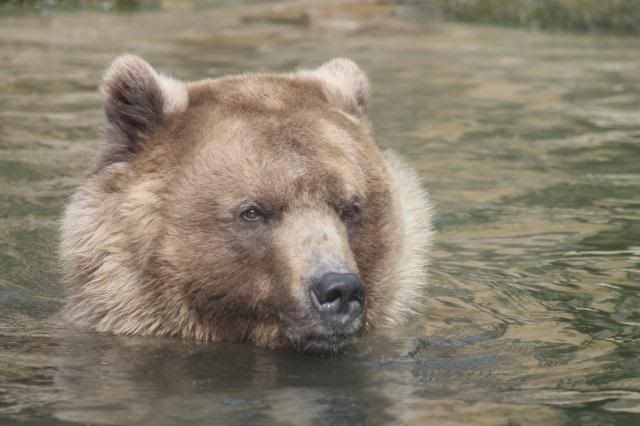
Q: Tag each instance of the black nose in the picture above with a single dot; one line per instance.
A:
(338, 297)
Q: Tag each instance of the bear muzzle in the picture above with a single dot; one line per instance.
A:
(336, 311)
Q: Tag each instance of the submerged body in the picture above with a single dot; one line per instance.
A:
(251, 208)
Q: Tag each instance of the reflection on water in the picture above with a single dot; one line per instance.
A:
(528, 143)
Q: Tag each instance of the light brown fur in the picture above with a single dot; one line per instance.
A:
(152, 243)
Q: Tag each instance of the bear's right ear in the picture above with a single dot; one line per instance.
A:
(136, 100)
(344, 84)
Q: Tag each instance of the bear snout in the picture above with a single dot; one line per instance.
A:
(339, 298)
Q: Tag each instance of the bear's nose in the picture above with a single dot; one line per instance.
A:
(338, 297)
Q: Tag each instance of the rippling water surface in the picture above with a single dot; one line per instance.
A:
(529, 143)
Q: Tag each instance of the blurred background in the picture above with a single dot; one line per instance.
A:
(522, 117)
(615, 16)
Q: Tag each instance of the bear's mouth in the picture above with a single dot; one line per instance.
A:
(322, 344)
(321, 339)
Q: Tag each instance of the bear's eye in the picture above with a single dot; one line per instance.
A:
(252, 214)
(351, 212)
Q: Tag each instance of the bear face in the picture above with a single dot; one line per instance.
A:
(250, 208)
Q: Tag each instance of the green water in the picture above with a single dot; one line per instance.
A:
(528, 142)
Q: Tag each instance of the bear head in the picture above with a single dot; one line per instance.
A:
(253, 208)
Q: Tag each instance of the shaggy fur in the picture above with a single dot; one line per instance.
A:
(154, 241)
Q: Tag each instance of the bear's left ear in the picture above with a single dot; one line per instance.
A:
(345, 84)
(136, 100)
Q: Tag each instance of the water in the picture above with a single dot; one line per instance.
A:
(528, 142)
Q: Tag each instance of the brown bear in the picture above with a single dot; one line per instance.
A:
(254, 207)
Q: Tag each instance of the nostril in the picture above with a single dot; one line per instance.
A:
(357, 296)
(332, 296)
